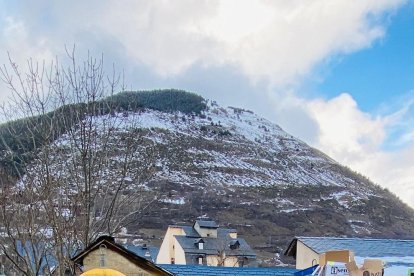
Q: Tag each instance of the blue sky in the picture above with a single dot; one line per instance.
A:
(378, 77)
(380, 73)
(337, 74)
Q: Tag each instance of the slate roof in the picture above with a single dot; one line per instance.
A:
(142, 251)
(374, 248)
(207, 223)
(213, 245)
(190, 231)
(224, 232)
(197, 270)
(48, 261)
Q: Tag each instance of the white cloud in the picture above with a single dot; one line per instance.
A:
(15, 38)
(279, 40)
(275, 41)
(356, 139)
(345, 130)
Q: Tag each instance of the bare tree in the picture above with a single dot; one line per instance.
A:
(71, 174)
(230, 252)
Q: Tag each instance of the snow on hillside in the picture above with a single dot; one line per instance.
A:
(235, 158)
(220, 148)
(228, 146)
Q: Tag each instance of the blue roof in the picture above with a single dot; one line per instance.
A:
(362, 247)
(307, 271)
(197, 270)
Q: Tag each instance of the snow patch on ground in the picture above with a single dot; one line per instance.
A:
(254, 151)
(178, 201)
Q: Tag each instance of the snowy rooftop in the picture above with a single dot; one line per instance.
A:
(374, 248)
(398, 255)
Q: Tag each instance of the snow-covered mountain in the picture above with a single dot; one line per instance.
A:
(244, 171)
(228, 147)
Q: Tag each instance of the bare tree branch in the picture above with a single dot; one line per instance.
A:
(59, 142)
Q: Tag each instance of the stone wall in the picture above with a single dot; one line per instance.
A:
(115, 261)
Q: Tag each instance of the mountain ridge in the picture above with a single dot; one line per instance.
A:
(245, 171)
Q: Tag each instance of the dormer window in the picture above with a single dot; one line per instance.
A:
(234, 244)
(199, 244)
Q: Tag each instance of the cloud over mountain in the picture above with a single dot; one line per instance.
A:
(270, 46)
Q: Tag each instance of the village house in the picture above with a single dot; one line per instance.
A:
(106, 257)
(205, 243)
(397, 254)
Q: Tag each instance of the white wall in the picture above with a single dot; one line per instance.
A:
(169, 246)
(305, 257)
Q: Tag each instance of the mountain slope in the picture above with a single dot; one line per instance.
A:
(246, 172)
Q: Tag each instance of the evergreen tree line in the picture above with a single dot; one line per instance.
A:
(18, 139)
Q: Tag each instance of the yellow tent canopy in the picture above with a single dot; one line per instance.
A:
(102, 272)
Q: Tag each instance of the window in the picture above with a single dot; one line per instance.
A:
(234, 244)
(102, 249)
(200, 260)
(199, 243)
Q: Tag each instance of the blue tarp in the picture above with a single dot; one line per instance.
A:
(307, 271)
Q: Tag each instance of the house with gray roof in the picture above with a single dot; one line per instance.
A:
(205, 243)
(398, 255)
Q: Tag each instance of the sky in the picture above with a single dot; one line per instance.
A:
(337, 74)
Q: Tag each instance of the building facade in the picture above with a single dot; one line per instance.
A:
(105, 253)
(205, 243)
